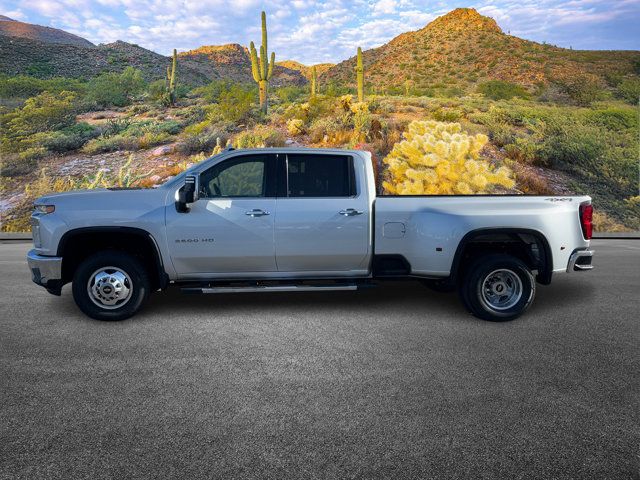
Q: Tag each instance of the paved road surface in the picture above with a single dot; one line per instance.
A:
(397, 382)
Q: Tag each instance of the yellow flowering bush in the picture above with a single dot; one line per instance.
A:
(295, 127)
(345, 102)
(437, 158)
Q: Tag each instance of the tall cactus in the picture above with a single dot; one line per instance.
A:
(261, 68)
(360, 76)
(314, 79)
(172, 79)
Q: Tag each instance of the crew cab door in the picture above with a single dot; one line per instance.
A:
(323, 216)
(229, 229)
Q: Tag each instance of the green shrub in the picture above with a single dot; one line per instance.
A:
(24, 86)
(500, 90)
(205, 139)
(614, 118)
(70, 138)
(523, 150)
(575, 147)
(122, 134)
(629, 90)
(196, 143)
(212, 91)
(42, 113)
(115, 89)
(260, 137)
(156, 91)
(290, 93)
(109, 144)
(234, 105)
(32, 153)
(582, 90)
(446, 114)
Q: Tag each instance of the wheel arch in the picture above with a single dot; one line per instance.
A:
(491, 240)
(77, 244)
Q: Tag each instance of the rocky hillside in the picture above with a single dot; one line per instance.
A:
(463, 48)
(44, 58)
(41, 59)
(232, 62)
(304, 69)
(13, 28)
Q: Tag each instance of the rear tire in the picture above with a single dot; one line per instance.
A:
(498, 288)
(110, 285)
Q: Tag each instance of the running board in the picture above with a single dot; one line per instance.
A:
(270, 288)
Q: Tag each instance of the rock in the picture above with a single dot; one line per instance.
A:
(155, 179)
(162, 150)
(292, 143)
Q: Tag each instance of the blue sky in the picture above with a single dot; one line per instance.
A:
(328, 31)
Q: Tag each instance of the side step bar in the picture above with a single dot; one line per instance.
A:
(270, 288)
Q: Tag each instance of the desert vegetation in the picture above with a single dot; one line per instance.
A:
(468, 134)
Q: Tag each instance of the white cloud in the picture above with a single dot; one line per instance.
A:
(15, 14)
(317, 30)
(384, 7)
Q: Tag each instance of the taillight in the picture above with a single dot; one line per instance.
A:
(586, 217)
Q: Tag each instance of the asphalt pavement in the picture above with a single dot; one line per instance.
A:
(392, 382)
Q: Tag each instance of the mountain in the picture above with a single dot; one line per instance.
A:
(13, 28)
(304, 69)
(32, 57)
(49, 52)
(463, 48)
(233, 62)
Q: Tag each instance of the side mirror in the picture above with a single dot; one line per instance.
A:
(188, 193)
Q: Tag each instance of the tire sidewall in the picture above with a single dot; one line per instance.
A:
(472, 288)
(127, 263)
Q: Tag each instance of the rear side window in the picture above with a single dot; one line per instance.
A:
(320, 176)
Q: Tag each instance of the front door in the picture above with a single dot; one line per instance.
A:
(229, 230)
(323, 218)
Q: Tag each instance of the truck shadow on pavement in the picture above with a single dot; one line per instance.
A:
(391, 298)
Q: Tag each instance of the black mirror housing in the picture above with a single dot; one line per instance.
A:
(188, 193)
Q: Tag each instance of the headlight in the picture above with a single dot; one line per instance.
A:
(44, 209)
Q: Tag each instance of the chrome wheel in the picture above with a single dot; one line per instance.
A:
(109, 287)
(501, 289)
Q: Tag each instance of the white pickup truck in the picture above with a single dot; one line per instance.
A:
(300, 220)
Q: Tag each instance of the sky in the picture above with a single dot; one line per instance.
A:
(324, 31)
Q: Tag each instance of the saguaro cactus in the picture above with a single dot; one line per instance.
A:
(360, 76)
(314, 79)
(172, 78)
(261, 68)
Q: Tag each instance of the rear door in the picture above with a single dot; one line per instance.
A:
(323, 216)
(229, 230)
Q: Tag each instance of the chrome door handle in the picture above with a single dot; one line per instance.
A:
(256, 212)
(350, 212)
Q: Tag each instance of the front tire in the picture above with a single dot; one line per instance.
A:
(111, 286)
(498, 288)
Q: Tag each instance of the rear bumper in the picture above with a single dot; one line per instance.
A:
(580, 260)
(46, 271)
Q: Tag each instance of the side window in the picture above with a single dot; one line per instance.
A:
(320, 176)
(244, 176)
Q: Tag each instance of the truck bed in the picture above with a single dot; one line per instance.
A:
(426, 230)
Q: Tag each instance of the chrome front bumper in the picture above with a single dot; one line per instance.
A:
(45, 271)
(580, 260)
